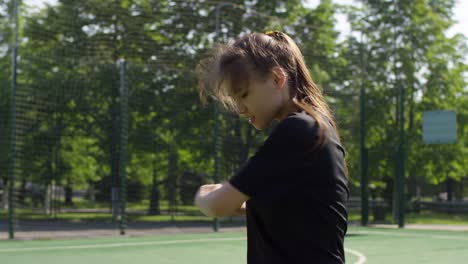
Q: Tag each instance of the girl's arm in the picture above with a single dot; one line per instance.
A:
(218, 200)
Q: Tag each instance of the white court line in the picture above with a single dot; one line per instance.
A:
(125, 244)
(409, 235)
(361, 257)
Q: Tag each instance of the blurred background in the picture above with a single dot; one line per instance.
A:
(101, 127)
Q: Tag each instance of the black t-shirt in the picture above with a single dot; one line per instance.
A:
(296, 212)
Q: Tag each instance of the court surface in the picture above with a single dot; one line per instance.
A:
(363, 245)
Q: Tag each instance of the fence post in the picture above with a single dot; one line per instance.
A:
(123, 145)
(115, 142)
(364, 156)
(364, 187)
(12, 163)
(217, 146)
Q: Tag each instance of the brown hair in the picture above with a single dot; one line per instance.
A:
(253, 56)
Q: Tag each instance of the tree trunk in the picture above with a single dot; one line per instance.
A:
(114, 155)
(460, 196)
(22, 192)
(154, 200)
(4, 203)
(47, 196)
(91, 193)
(69, 193)
(154, 208)
(449, 183)
(172, 175)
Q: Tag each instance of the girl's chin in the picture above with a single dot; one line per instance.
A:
(259, 126)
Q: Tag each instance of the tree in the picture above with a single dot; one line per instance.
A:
(407, 46)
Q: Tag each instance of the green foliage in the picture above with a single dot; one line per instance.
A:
(81, 154)
(405, 44)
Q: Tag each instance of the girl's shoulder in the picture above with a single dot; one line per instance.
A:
(296, 126)
(300, 121)
(302, 125)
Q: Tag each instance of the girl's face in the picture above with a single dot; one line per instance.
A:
(264, 100)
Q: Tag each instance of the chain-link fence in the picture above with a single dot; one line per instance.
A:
(107, 123)
(102, 125)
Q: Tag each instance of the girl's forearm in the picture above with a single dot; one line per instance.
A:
(219, 200)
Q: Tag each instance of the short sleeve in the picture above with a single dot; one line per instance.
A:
(268, 169)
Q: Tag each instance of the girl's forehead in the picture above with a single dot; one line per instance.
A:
(235, 78)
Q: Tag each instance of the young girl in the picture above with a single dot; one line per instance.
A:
(294, 189)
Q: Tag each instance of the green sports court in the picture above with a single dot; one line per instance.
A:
(363, 245)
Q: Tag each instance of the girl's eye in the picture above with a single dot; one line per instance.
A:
(244, 95)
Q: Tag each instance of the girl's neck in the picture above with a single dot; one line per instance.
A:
(287, 109)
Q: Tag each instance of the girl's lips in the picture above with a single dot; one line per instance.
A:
(251, 119)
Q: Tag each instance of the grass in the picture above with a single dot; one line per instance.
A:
(136, 213)
(105, 217)
(79, 203)
(190, 213)
(425, 217)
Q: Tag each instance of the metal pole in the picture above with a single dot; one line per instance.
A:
(114, 143)
(401, 163)
(123, 145)
(12, 163)
(400, 177)
(364, 179)
(217, 143)
(217, 147)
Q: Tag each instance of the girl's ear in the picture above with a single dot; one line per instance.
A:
(279, 76)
